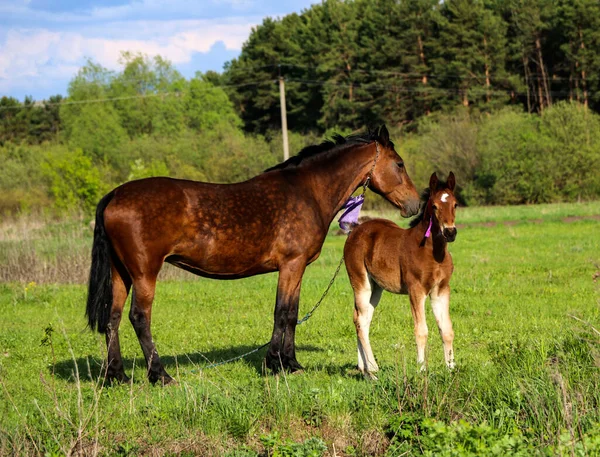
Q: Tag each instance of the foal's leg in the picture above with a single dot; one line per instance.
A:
(366, 298)
(417, 306)
(141, 317)
(282, 350)
(440, 304)
(121, 283)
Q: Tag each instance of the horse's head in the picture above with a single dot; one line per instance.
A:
(390, 179)
(442, 205)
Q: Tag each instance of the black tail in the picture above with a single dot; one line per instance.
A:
(100, 294)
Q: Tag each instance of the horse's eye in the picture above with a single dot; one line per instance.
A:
(434, 207)
(455, 205)
(400, 164)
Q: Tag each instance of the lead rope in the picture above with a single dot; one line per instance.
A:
(310, 313)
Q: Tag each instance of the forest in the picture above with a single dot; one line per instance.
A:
(504, 93)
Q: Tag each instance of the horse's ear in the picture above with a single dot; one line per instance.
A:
(451, 181)
(384, 135)
(433, 182)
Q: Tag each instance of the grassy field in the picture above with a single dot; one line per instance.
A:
(525, 309)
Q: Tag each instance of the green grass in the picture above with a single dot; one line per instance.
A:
(527, 382)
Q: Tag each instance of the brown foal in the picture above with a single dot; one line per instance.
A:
(379, 256)
(276, 221)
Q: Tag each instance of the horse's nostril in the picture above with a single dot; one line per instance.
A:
(450, 233)
(415, 207)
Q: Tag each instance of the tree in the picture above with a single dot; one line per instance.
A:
(207, 105)
(148, 95)
(470, 54)
(90, 121)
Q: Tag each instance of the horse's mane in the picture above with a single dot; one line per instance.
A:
(424, 199)
(336, 142)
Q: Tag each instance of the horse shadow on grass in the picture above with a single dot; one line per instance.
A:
(91, 368)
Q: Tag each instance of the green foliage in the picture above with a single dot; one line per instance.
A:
(147, 120)
(148, 96)
(276, 447)
(510, 157)
(74, 182)
(458, 439)
(139, 169)
(208, 105)
(96, 131)
(22, 187)
(28, 121)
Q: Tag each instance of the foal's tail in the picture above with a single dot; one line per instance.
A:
(100, 294)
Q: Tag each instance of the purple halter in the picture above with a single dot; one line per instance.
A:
(350, 217)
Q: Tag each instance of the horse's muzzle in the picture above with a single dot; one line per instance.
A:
(411, 208)
(450, 234)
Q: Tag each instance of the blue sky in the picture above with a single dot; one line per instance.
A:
(44, 42)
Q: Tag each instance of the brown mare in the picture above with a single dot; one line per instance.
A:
(276, 221)
(379, 256)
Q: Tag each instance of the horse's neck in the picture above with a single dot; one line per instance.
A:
(334, 178)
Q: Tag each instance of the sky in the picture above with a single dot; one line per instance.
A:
(44, 42)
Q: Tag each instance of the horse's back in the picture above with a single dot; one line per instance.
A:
(214, 230)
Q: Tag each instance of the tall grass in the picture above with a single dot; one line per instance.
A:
(33, 250)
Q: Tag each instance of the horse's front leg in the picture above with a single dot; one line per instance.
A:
(282, 350)
(417, 306)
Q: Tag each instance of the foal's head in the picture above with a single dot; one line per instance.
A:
(442, 204)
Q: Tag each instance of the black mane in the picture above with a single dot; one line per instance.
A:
(424, 199)
(336, 142)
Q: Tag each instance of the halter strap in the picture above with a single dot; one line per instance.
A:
(350, 217)
(370, 175)
(428, 232)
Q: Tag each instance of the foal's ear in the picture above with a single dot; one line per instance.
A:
(384, 135)
(451, 181)
(433, 182)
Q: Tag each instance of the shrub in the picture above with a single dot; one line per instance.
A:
(74, 182)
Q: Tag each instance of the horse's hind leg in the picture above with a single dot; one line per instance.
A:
(366, 298)
(141, 317)
(440, 304)
(282, 350)
(121, 283)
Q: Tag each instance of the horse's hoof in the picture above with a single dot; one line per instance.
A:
(117, 378)
(293, 366)
(162, 379)
(369, 376)
(168, 381)
(272, 363)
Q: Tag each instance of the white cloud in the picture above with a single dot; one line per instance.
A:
(38, 52)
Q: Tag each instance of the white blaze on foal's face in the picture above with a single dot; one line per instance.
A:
(444, 197)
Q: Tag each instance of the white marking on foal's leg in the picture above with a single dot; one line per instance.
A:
(440, 304)
(444, 197)
(365, 302)
(417, 303)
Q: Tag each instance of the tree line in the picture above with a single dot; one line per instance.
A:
(349, 63)
(505, 93)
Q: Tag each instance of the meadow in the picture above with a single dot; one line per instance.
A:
(525, 307)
